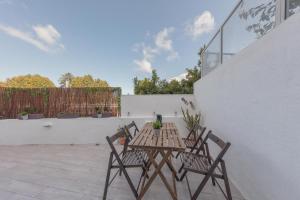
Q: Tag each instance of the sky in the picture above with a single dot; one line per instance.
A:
(114, 40)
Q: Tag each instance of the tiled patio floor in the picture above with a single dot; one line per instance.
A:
(65, 172)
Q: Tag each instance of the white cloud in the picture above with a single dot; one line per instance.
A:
(203, 23)
(179, 77)
(162, 43)
(163, 40)
(23, 36)
(148, 52)
(47, 33)
(144, 65)
(45, 38)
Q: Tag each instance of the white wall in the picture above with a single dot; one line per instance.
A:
(253, 101)
(68, 131)
(146, 105)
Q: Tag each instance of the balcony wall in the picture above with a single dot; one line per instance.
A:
(253, 101)
(68, 131)
(92, 130)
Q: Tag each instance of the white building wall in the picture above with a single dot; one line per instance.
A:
(147, 105)
(253, 101)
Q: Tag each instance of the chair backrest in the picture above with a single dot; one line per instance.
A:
(195, 132)
(224, 146)
(116, 136)
(199, 137)
(129, 127)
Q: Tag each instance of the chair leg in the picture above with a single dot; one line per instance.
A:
(107, 176)
(201, 186)
(177, 154)
(213, 181)
(226, 181)
(183, 175)
(122, 168)
(181, 168)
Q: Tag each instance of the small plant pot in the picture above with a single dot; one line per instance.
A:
(23, 117)
(67, 116)
(35, 116)
(122, 140)
(99, 115)
(107, 114)
(156, 132)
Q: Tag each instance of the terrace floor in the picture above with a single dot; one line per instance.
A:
(77, 172)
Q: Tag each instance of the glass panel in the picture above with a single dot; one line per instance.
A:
(212, 55)
(251, 20)
(292, 6)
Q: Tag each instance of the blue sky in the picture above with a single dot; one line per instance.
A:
(114, 40)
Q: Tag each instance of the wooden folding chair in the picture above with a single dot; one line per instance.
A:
(194, 139)
(132, 127)
(204, 164)
(122, 161)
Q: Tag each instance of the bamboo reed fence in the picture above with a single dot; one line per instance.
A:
(52, 101)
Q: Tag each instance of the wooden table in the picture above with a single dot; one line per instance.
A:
(164, 144)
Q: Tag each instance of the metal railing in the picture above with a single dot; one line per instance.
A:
(248, 21)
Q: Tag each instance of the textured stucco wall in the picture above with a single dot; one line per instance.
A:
(253, 101)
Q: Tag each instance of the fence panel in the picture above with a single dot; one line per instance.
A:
(51, 101)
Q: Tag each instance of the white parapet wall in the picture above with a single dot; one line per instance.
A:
(253, 101)
(93, 130)
(69, 131)
(149, 105)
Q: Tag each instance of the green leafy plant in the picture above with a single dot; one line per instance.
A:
(30, 110)
(24, 113)
(156, 124)
(190, 120)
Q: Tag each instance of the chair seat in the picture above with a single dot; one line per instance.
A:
(195, 162)
(189, 143)
(134, 158)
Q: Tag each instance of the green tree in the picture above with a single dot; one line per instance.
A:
(147, 86)
(29, 81)
(65, 79)
(192, 76)
(87, 81)
(173, 87)
(157, 86)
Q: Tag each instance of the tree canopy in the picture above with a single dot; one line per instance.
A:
(87, 81)
(65, 79)
(154, 85)
(29, 81)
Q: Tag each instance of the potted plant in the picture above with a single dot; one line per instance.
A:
(98, 110)
(122, 140)
(156, 127)
(63, 115)
(191, 120)
(33, 113)
(23, 115)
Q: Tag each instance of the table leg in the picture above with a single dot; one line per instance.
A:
(171, 167)
(158, 167)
